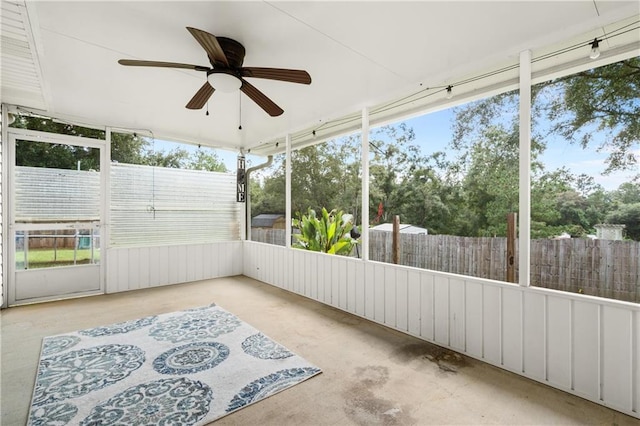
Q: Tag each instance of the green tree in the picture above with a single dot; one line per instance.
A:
(125, 148)
(424, 203)
(394, 159)
(628, 215)
(267, 188)
(317, 177)
(206, 159)
(627, 193)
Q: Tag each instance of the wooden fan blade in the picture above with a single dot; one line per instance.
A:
(136, 63)
(261, 99)
(201, 97)
(210, 44)
(282, 74)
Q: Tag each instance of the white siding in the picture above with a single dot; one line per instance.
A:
(583, 345)
(1, 227)
(140, 267)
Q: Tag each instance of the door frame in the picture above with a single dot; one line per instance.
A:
(9, 159)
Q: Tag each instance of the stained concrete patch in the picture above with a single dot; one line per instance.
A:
(445, 359)
(363, 406)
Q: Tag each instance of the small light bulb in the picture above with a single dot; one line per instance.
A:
(595, 49)
(449, 92)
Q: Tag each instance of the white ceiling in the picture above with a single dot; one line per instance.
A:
(359, 54)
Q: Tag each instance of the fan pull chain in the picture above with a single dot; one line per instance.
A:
(240, 108)
(207, 109)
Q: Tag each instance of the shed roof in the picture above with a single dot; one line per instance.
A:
(265, 220)
(404, 228)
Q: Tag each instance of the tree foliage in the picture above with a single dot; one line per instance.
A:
(125, 148)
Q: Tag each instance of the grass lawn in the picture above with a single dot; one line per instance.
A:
(45, 258)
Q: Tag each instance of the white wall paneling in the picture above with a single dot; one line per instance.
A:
(402, 300)
(441, 309)
(140, 267)
(427, 307)
(457, 314)
(617, 365)
(558, 333)
(534, 341)
(492, 324)
(585, 323)
(473, 319)
(369, 290)
(342, 274)
(580, 344)
(413, 303)
(512, 329)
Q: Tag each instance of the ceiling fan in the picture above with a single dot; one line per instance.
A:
(227, 73)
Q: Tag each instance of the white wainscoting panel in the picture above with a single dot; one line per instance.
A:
(413, 303)
(427, 307)
(586, 349)
(492, 324)
(534, 345)
(512, 329)
(457, 332)
(441, 309)
(617, 365)
(580, 344)
(141, 267)
(474, 320)
(558, 329)
(402, 300)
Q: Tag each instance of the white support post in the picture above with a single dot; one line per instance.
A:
(3, 207)
(365, 184)
(105, 210)
(287, 173)
(524, 234)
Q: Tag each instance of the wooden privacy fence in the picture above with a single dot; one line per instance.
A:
(602, 268)
(270, 236)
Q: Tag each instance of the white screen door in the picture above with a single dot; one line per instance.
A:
(55, 210)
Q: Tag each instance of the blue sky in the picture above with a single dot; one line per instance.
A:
(433, 133)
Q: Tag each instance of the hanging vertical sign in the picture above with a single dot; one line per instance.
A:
(241, 187)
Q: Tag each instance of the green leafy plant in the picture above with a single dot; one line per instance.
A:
(329, 233)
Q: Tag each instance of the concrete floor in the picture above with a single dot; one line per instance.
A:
(371, 375)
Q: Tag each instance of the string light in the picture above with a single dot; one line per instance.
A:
(239, 110)
(595, 49)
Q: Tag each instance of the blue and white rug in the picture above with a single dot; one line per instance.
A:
(181, 368)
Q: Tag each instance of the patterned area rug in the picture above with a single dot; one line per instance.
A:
(181, 368)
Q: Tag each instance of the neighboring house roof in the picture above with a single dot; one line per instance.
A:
(404, 228)
(265, 220)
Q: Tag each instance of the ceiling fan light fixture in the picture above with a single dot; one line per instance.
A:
(223, 82)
